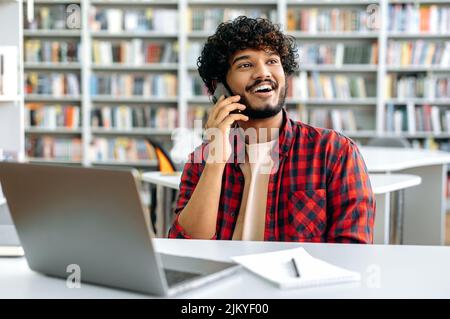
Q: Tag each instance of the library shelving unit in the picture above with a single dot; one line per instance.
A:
(11, 101)
(348, 64)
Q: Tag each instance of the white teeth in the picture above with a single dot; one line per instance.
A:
(262, 87)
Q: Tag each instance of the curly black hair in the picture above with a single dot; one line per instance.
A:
(240, 34)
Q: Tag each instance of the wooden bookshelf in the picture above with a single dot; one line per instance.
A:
(182, 68)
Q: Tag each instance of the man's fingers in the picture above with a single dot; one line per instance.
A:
(225, 111)
(230, 119)
(222, 102)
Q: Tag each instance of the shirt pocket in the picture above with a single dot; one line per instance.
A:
(307, 215)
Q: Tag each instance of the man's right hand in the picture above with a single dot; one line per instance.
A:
(219, 125)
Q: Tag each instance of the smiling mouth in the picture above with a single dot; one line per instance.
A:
(263, 90)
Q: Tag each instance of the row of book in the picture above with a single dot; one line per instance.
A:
(337, 86)
(196, 86)
(417, 86)
(135, 52)
(418, 52)
(431, 144)
(47, 18)
(316, 53)
(52, 51)
(419, 18)
(328, 19)
(145, 85)
(147, 19)
(200, 19)
(336, 119)
(417, 118)
(121, 149)
(197, 116)
(55, 84)
(124, 117)
(54, 148)
(338, 53)
(52, 116)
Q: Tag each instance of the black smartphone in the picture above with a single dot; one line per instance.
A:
(222, 90)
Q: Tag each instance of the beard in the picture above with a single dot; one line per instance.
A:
(267, 110)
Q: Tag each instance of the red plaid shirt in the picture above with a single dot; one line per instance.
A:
(320, 192)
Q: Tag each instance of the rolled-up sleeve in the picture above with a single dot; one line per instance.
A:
(351, 202)
(189, 178)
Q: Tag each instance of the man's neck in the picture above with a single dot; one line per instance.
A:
(274, 122)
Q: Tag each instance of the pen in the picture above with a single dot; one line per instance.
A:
(297, 271)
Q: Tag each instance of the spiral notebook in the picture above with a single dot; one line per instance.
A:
(295, 268)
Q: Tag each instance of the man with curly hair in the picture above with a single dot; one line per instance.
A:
(288, 181)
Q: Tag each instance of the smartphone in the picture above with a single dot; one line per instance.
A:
(222, 90)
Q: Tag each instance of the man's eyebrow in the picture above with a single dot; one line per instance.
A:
(242, 57)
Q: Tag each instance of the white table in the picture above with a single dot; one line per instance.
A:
(382, 184)
(387, 271)
(425, 205)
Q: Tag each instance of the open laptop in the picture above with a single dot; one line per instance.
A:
(9, 241)
(94, 218)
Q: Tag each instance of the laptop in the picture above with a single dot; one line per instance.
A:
(9, 241)
(94, 218)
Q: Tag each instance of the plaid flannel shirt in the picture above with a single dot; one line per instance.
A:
(320, 191)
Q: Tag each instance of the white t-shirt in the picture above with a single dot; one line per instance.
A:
(250, 224)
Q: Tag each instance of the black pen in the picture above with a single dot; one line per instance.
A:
(297, 271)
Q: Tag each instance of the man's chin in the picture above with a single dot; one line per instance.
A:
(261, 112)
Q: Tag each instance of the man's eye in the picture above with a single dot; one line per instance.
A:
(244, 65)
(273, 61)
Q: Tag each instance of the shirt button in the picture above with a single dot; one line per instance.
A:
(232, 214)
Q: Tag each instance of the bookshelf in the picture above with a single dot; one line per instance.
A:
(355, 57)
(11, 93)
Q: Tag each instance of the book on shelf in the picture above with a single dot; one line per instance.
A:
(48, 17)
(337, 119)
(412, 119)
(9, 69)
(54, 148)
(52, 116)
(134, 52)
(196, 86)
(145, 85)
(327, 19)
(338, 54)
(193, 51)
(121, 149)
(127, 118)
(431, 86)
(197, 113)
(206, 19)
(117, 20)
(336, 86)
(418, 52)
(52, 51)
(55, 84)
(416, 18)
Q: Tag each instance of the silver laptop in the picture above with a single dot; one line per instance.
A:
(94, 218)
(9, 241)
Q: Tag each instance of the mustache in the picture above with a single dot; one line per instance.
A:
(273, 84)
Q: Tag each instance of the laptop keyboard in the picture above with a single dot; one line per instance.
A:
(174, 277)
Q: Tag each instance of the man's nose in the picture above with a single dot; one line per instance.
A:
(261, 71)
